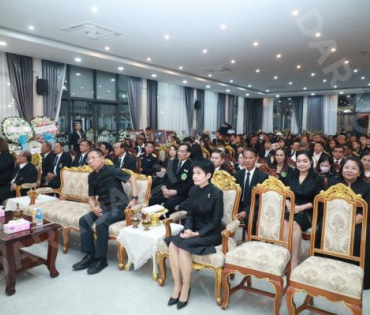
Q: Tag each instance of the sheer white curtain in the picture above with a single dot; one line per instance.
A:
(304, 118)
(268, 112)
(7, 103)
(240, 116)
(171, 107)
(294, 126)
(330, 114)
(210, 111)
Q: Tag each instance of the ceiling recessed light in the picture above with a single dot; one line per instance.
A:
(362, 78)
(277, 95)
(324, 80)
(78, 59)
(312, 94)
(295, 13)
(31, 28)
(250, 85)
(355, 70)
(180, 67)
(78, 73)
(317, 34)
(255, 44)
(298, 66)
(267, 91)
(227, 91)
(113, 80)
(223, 26)
(247, 94)
(290, 83)
(275, 77)
(335, 86)
(369, 84)
(204, 51)
(348, 95)
(231, 81)
(278, 56)
(346, 62)
(94, 9)
(232, 61)
(166, 37)
(208, 86)
(154, 75)
(333, 49)
(312, 74)
(120, 68)
(107, 48)
(3, 44)
(210, 75)
(149, 59)
(184, 81)
(257, 70)
(305, 88)
(341, 92)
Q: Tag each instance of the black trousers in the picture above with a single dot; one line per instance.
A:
(54, 183)
(102, 223)
(169, 204)
(6, 193)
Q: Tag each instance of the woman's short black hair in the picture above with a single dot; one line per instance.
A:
(357, 161)
(306, 153)
(205, 165)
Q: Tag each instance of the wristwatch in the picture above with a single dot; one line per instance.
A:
(135, 197)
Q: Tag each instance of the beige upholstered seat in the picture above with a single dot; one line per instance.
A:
(231, 197)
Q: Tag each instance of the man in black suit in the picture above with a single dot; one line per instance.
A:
(123, 158)
(266, 152)
(218, 160)
(177, 181)
(247, 179)
(6, 164)
(25, 172)
(140, 148)
(196, 153)
(47, 160)
(61, 159)
(81, 158)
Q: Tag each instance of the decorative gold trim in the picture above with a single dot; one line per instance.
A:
(223, 180)
(340, 191)
(82, 169)
(36, 159)
(136, 175)
(273, 183)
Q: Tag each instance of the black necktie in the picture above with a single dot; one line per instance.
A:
(246, 185)
(80, 162)
(178, 167)
(119, 163)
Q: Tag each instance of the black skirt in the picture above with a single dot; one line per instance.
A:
(302, 218)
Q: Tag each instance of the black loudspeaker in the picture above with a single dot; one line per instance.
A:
(42, 87)
(197, 105)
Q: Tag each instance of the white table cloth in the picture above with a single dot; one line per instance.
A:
(142, 245)
(25, 201)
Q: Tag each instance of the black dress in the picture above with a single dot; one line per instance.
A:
(205, 211)
(363, 188)
(304, 192)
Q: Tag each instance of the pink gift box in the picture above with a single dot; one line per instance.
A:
(2, 213)
(14, 226)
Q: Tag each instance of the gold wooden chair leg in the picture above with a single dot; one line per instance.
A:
(121, 256)
(66, 239)
(226, 287)
(218, 277)
(290, 301)
(356, 309)
(279, 292)
(162, 268)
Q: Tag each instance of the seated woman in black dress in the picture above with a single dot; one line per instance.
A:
(281, 165)
(305, 184)
(352, 175)
(325, 169)
(202, 230)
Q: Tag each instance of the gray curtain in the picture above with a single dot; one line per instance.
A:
(232, 109)
(200, 112)
(54, 72)
(298, 111)
(221, 109)
(152, 94)
(253, 113)
(21, 83)
(189, 100)
(315, 112)
(134, 97)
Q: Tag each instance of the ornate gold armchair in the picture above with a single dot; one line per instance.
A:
(231, 198)
(322, 274)
(37, 162)
(265, 255)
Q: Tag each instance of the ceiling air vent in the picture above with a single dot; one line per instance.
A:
(90, 30)
(365, 52)
(216, 69)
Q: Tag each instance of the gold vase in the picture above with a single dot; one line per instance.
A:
(135, 222)
(146, 224)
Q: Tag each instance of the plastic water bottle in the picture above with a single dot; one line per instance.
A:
(39, 218)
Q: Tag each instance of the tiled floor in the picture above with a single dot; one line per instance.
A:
(120, 292)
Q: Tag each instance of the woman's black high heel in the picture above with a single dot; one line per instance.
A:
(181, 304)
(173, 301)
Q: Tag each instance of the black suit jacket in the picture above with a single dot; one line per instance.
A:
(262, 152)
(47, 163)
(27, 174)
(75, 139)
(76, 161)
(182, 181)
(258, 178)
(64, 161)
(128, 162)
(6, 168)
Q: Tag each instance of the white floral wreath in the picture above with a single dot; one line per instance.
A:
(15, 127)
(42, 125)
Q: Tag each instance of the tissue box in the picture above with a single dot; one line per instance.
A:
(152, 209)
(2, 212)
(14, 226)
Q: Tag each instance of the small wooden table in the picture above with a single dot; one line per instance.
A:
(14, 260)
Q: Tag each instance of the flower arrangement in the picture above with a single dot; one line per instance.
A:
(45, 128)
(90, 134)
(123, 134)
(15, 129)
(106, 136)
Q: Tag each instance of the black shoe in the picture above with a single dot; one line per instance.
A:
(84, 263)
(98, 266)
(173, 301)
(181, 304)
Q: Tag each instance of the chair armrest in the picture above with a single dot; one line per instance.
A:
(24, 186)
(177, 216)
(47, 190)
(129, 212)
(229, 231)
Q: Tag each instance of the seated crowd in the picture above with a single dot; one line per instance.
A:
(181, 180)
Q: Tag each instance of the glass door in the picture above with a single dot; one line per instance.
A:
(106, 122)
(83, 112)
